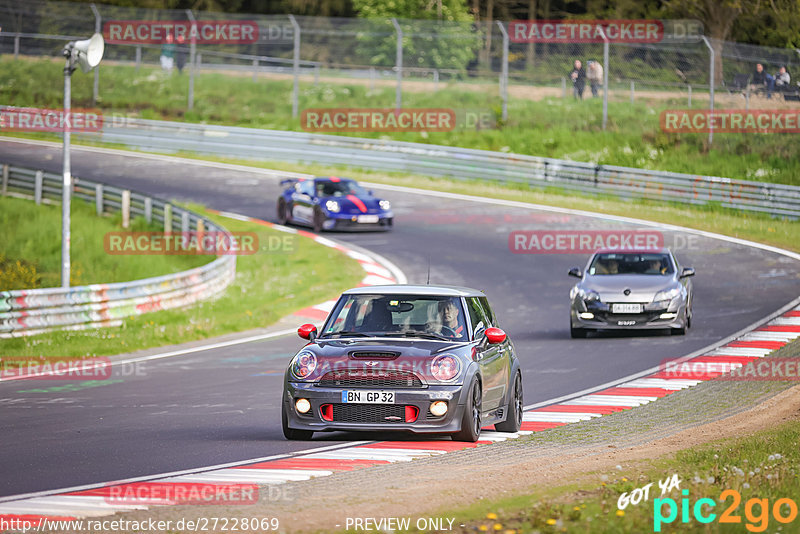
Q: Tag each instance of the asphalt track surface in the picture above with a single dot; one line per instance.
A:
(221, 405)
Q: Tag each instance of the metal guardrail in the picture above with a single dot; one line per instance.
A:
(32, 311)
(774, 199)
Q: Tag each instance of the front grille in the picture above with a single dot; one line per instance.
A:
(370, 378)
(373, 355)
(368, 413)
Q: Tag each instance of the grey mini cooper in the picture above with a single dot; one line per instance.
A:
(421, 359)
(631, 289)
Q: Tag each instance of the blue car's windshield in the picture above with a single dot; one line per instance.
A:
(396, 315)
(329, 188)
(654, 263)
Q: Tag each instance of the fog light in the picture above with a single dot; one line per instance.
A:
(668, 315)
(586, 315)
(302, 405)
(438, 408)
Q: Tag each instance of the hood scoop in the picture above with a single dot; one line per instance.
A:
(373, 355)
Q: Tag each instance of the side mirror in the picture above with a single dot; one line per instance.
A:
(687, 272)
(576, 272)
(495, 335)
(307, 331)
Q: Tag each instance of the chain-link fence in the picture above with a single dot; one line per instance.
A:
(391, 52)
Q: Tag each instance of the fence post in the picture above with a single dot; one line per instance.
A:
(295, 66)
(98, 28)
(690, 95)
(632, 90)
(184, 228)
(148, 209)
(192, 55)
(4, 189)
(167, 218)
(371, 79)
(316, 74)
(98, 199)
(504, 72)
(710, 90)
(138, 57)
(605, 79)
(255, 69)
(563, 87)
(435, 80)
(399, 65)
(37, 187)
(16, 46)
(126, 209)
(747, 98)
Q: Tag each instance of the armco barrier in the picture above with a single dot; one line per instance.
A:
(775, 199)
(32, 311)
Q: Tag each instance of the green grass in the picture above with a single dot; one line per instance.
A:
(551, 127)
(32, 234)
(762, 466)
(269, 285)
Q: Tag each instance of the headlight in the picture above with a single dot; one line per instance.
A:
(667, 294)
(303, 364)
(588, 294)
(385, 204)
(332, 205)
(445, 367)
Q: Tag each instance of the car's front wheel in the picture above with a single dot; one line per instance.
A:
(283, 212)
(515, 407)
(293, 433)
(471, 419)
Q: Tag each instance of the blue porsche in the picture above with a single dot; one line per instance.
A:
(328, 203)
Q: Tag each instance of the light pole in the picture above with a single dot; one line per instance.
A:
(86, 54)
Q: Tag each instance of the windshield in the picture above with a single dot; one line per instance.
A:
(329, 188)
(397, 315)
(650, 263)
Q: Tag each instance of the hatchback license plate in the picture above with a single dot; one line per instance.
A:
(367, 218)
(626, 308)
(350, 396)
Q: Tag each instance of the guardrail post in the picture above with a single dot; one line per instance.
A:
(126, 209)
(148, 209)
(4, 190)
(138, 57)
(295, 66)
(98, 198)
(435, 80)
(371, 79)
(255, 69)
(201, 230)
(16, 46)
(167, 218)
(632, 89)
(316, 74)
(184, 228)
(690, 96)
(398, 65)
(37, 187)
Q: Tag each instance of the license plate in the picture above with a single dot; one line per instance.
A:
(626, 308)
(367, 218)
(367, 397)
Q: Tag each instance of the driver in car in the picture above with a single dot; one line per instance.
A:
(448, 323)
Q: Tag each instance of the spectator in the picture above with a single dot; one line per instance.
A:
(168, 54)
(782, 79)
(594, 73)
(180, 54)
(578, 77)
(761, 79)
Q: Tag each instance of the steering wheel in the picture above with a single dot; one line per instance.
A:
(447, 331)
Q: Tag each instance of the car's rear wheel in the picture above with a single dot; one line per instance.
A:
(283, 212)
(293, 433)
(515, 407)
(577, 333)
(471, 419)
(319, 218)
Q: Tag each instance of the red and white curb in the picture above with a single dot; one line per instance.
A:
(183, 488)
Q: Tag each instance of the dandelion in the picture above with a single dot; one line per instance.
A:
(711, 479)
(716, 456)
(498, 526)
(619, 468)
(778, 456)
(604, 477)
(491, 515)
(769, 477)
(746, 485)
(577, 508)
(483, 528)
(624, 479)
(771, 457)
(551, 521)
(620, 513)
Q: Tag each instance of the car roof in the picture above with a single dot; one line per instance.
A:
(409, 289)
(332, 179)
(662, 250)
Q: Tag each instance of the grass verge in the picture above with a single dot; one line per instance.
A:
(32, 237)
(269, 285)
(548, 126)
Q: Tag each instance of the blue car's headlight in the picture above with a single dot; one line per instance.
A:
(385, 205)
(333, 206)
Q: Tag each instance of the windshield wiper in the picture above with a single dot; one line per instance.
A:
(418, 333)
(346, 333)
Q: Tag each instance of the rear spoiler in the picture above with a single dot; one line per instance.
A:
(291, 181)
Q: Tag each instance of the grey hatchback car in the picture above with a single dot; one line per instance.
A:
(421, 359)
(631, 289)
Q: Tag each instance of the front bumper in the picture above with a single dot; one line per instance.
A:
(672, 317)
(345, 221)
(420, 398)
